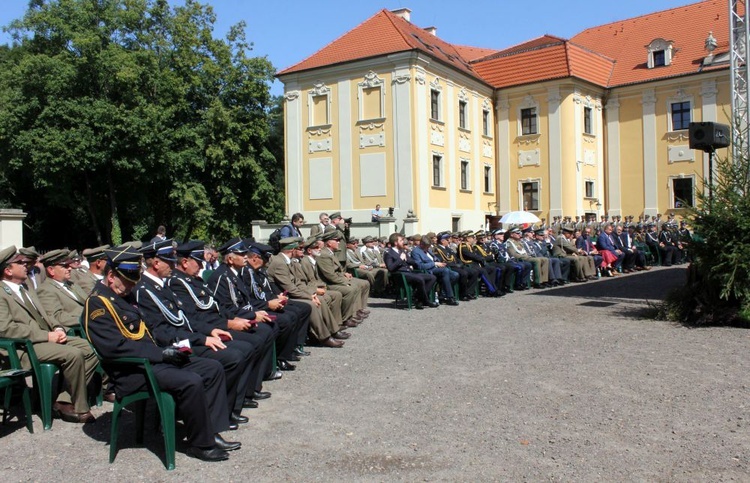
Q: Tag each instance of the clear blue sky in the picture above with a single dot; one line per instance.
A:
(287, 31)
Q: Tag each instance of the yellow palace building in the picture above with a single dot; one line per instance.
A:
(391, 114)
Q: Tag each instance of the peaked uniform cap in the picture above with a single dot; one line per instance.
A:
(163, 250)
(235, 245)
(126, 261)
(92, 254)
(29, 252)
(53, 257)
(7, 255)
(192, 249)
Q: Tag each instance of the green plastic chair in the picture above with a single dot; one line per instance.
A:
(405, 291)
(17, 380)
(43, 372)
(164, 402)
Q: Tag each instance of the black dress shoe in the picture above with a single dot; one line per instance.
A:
(238, 418)
(301, 352)
(273, 376)
(233, 427)
(465, 298)
(261, 395)
(451, 302)
(249, 403)
(210, 454)
(222, 444)
(285, 366)
(433, 305)
(293, 358)
(419, 306)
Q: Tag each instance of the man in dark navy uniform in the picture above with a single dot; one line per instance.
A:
(115, 327)
(162, 311)
(202, 308)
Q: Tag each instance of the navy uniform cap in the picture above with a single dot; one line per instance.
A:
(126, 261)
(445, 236)
(235, 245)
(259, 248)
(540, 232)
(515, 229)
(163, 250)
(192, 249)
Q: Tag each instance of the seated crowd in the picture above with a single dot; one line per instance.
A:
(216, 323)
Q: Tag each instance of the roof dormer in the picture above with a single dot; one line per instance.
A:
(659, 53)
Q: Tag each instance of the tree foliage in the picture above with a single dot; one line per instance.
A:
(120, 115)
(718, 289)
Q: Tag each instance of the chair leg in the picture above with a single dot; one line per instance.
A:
(44, 380)
(26, 396)
(114, 431)
(166, 411)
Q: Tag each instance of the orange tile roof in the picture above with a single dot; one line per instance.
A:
(607, 55)
(386, 33)
(687, 27)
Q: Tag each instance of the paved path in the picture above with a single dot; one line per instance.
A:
(534, 386)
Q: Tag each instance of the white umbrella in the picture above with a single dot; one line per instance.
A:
(519, 218)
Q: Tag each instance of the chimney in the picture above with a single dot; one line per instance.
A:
(404, 13)
(431, 30)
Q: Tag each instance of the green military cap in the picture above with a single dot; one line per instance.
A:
(515, 229)
(8, 255)
(367, 239)
(430, 235)
(290, 242)
(383, 239)
(467, 233)
(92, 254)
(55, 257)
(136, 244)
(312, 240)
(336, 214)
(416, 237)
(352, 240)
(568, 229)
(29, 252)
(332, 235)
(74, 255)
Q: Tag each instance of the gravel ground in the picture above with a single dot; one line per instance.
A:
(534, 386)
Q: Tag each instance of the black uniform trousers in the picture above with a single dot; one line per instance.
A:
(238, 360)
(261, 339)
(467, 280)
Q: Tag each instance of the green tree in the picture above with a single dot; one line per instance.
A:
(116, 115)
(718, 287)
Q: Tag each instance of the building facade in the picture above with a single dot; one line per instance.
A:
(391, 114)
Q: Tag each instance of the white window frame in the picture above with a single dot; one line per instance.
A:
(371, 81)
(538, 182)
(441, 169)
(461, 162)
(671, 189)
(319, 89)
(489, 176)
(593, 188)
(658, 45)
(680, 96)
(463, 99)
(436, 87)
(528, 103)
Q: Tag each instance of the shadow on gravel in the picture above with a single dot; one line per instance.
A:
(153, 441)
(651, 285)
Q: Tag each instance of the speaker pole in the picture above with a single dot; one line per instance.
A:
(710, 178)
